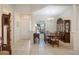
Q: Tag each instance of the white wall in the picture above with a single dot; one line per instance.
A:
(50, 24)
(0, 21)
(22, 26)
(16, 26)
(25, 26)
(76, 40)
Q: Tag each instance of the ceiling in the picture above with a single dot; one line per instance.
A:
(40, 9)
(27, 8)
(52, 10)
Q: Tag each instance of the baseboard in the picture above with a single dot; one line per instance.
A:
(66, 45)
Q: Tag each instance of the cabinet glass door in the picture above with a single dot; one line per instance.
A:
(67, 27)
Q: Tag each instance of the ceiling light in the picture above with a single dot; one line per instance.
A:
(51, 18)
(35, 25)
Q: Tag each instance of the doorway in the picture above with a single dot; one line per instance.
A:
(40, 27)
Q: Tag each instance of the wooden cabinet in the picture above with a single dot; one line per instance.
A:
(6, 39)
(67, 26)
(60, 25)
(60, 28)
(67, 30)
(63, 27)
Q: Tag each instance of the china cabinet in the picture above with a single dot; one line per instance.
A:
(60, 25)
(63, 27)
(67, 30)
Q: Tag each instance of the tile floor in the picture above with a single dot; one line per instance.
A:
(26, 47)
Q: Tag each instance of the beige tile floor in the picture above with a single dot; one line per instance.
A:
(26, 47)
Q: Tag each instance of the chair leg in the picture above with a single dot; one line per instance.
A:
(39, 40)
(52, 43)
(34, 41)
(10, 52)
(57, 43)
